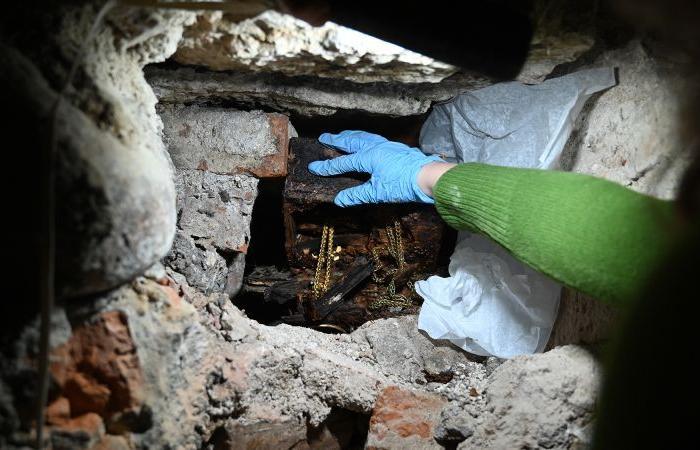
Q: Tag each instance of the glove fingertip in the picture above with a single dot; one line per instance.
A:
(339, 200)
(348, 197)
(325, 138)
(316, 167)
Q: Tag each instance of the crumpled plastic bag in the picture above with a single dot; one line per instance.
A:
(493, 304)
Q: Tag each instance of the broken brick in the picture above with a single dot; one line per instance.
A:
(98, 369)
(58, 411)
(81, 432)
(404, 419)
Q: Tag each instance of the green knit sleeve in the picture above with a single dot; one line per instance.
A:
(590, 234)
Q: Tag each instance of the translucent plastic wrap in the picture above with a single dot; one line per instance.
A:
(493, 304)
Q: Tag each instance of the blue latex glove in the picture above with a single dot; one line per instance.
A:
(394, 168)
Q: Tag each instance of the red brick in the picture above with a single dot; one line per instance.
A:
(58, 411)
(98, 369)
(403, 418)
(80, 432)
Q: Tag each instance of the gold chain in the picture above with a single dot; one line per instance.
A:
(327, 256)
(390, 298)
(318, 288)
(330, 259)
(326, 260)
(395, 247)
(395, 250)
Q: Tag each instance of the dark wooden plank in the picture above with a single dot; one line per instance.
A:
(339, 293)
(305, 188)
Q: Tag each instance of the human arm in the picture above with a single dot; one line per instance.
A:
(591, 234)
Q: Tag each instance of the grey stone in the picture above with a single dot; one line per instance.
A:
(394, 348)
(114, 187)
(115, 201)
(155, 272)
(492, 363)
(455, 424)
(216, 208)
(303, 95)
(213, 229)
(540, 400)
(630, 134)
(203, 267)
(319, 71)
(219, 140)
(276, 42)
(413, 356)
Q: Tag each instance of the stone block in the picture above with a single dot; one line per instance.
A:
(114, 196)
(213, 229)
(226, 141)
(538, 401)
(304, 95)
(412, 356)
(276, 42)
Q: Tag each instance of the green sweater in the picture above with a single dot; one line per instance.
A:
(590, 234)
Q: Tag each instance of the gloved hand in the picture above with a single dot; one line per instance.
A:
(394, 168)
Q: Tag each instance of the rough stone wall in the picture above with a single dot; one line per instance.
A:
(629, 134)
(130, 179)
(180, 369)
(301, 95)
(286, 66)
(219, 154)
(114, 188)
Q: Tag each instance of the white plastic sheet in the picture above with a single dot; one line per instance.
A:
(493, 304)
